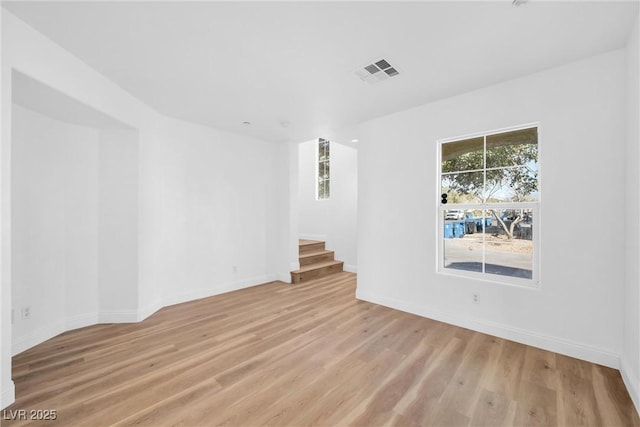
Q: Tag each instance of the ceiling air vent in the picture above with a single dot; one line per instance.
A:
(376, 71)
(383, 64)
(372, 69)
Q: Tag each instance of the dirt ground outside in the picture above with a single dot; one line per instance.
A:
(497, 242)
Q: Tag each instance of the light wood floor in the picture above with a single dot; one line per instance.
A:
(303, 355)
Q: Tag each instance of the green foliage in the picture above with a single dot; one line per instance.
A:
(515, 177)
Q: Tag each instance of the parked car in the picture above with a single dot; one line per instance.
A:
(455, 214)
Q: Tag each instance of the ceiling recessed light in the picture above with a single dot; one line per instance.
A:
(354, 140)
(246, 123)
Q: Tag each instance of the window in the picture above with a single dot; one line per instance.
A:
(324, 175)
(489, 206)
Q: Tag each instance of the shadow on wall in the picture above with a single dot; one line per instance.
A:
(74, 204)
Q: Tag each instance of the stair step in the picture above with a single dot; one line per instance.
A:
(316, 257)
(313, 271)
(308, 246)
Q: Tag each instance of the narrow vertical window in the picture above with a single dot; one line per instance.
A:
(324, 167)
(488, 207)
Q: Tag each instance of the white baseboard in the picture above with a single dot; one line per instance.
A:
(632, 381)
(44, 333)
(221, 289)
(546, 342)
(8, 394)
(150, 309)
(350, 268)
(284, 277)
(117, 316)
(80, 321)
(33, 338)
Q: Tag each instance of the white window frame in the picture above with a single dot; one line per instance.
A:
(534, 282)
(317, 175)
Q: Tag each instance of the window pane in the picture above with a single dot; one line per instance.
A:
(465, 187)
(519, 147)
(323, 149)
(518, 184)
(323, 168)
(462, 242)
(322, 190)
(509, 243)
(463, 155)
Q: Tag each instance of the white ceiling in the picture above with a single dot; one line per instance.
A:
(223, 63)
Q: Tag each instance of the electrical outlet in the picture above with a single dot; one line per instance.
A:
(475, 298)
(235, 268)
(26, 313)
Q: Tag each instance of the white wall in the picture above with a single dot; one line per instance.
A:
(55, 226)
(75, 226)
(7, 390)
(213, 215)
(118, 225)
(630, 359)
(333, 220)
(205, 198)
(282, 214)
(577, 309)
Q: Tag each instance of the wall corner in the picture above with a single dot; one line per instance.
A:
(8, 395)
(631, 381)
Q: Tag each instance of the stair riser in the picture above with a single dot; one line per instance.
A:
(316, 259)
(314, 247)
(314, 274)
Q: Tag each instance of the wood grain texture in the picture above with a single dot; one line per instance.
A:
(315, 262)
(303, 355)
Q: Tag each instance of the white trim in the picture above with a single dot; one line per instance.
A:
(36, 337)
(320, 237)
(80, 321)
(8, 395)
(350, 268)
(44, 333)
(547, 342)
(229, 287)
(632, 382)
(489, 132)
(118, 316)
(534, 282)
(284, 277)
(150, 309)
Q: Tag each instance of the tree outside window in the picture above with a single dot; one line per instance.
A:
(490, 194)
(324, 170)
